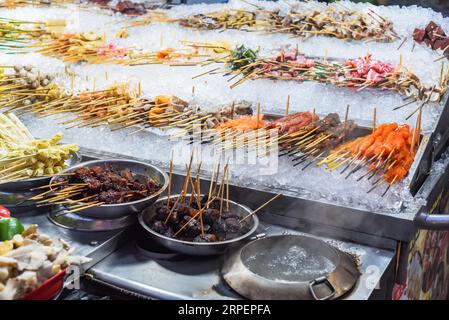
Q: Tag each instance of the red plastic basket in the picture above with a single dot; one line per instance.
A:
(49, 289)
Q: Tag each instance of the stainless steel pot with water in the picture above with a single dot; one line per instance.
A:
(290, 267)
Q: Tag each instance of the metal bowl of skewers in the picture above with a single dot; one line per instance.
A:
(16, 195)
(108, 189)
(31, 183)
(199, 232)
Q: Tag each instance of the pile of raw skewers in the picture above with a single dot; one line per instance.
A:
(364, 72)
(14, 34)
(26, 88)
(389, 152)
(434, 37)
(23, 157)
(302, 136)
(329, 20)
(78, 47)
(118, 106)
(227, 19)
(93, 49)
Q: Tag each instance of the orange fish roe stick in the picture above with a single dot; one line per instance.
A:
(390, 145)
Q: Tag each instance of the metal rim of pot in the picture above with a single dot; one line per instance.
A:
(251, 285)
(112, 211)
(154, 234)
(93, 162)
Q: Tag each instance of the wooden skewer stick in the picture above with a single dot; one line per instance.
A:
(172, 209)
(186, 183)
(287, 105)
(90, 205)
(261, 207)
(374, 119)
(198, 186)
(211, 183)
(227, 190)
(170, 180)
(258, 115)
(222, 188)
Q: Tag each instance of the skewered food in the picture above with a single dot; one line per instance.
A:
(105, 186)
(29, 259)
(227, 19)
(127, 7)
(117, 106)
(15, 33)
(331, 21)
(433, 36)
(93, 49)
(199, 217)
(243, 123)
(27, 87)
(23, 157)
(388, 149)
(316, 139)
(79, 47)
(215, 227)
(130, 8)
(241, 57)
(364, 72)
(293, 122)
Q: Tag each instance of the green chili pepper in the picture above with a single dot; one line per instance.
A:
(9, 227)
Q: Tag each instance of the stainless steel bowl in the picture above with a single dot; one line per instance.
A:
(15, 195)
(26, 185)
(112, 211)
(197, 248)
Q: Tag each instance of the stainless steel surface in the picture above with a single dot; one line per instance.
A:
(199, 277)
(74, 221)
(268, 269)
(323, 213)
(15, 194)
(94, 245)
(434, 221)
(429, 217)
(113, 211)
(197, 248)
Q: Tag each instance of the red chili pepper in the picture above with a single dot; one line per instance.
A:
(4, 213)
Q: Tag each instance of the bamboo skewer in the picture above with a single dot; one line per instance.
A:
(261, 207)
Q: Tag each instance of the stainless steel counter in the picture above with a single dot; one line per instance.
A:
(95, 245)
(199, 278)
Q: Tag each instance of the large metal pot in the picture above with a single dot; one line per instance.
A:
(197, 248)
(112, 211)
(266, 269)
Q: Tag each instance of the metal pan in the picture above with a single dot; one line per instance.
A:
(112, 211)
(290, 267)
(197, 248)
